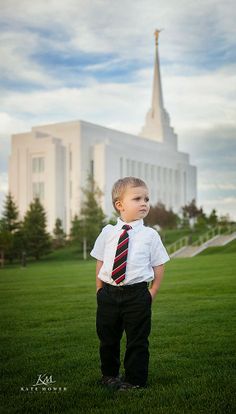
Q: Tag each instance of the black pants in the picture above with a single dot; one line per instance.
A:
(124, 308)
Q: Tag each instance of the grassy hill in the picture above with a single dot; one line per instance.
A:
(48, 326)
(227, 249)
(171, 236)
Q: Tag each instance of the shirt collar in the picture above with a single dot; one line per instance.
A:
(136, 224)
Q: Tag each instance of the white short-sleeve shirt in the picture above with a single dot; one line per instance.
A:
(145, 251)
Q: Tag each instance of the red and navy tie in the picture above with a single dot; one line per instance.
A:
(119, 267)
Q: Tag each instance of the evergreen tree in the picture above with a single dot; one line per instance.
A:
(59, 239)
(213, 219)
(86, 228)
(20, 242)
(9, 228)
(201, 221)
(10, 214)
(76, 235)
(92, 216)
(38, 241)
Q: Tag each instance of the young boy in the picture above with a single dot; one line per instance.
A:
(129, 256)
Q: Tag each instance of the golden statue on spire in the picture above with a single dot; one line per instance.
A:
(156, 33)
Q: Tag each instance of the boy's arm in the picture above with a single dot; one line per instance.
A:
(158, 275)
(99, 283)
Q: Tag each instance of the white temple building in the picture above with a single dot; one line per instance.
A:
(53, 161)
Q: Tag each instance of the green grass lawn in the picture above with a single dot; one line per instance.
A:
(48, 326)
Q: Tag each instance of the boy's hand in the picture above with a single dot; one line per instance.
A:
(152, 293)
(158, 275)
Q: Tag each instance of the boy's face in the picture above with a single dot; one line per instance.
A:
(134, 204)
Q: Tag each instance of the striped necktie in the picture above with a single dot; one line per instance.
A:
(119, 266)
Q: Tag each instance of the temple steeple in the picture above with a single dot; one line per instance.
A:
(154, 125)
(157, 98)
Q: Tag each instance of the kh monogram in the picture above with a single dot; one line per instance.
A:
(43, 379)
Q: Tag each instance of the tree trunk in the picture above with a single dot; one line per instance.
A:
(84, 248)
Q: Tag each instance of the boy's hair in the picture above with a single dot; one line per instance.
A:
(121, 186)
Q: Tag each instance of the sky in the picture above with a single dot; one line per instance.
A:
(64, 60)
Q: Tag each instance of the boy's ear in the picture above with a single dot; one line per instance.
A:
(118, 205)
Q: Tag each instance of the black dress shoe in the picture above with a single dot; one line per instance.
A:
(127, 386)
(111, 382)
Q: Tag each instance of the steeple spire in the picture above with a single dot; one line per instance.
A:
(153, 127)
(157, 98)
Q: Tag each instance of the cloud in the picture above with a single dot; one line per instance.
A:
(11, 124)
(3, 182)
(18, 64)
(202, 100)
(215, 186)
(97, 102)
(193, 102)
(212, 147)
(197, 33)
